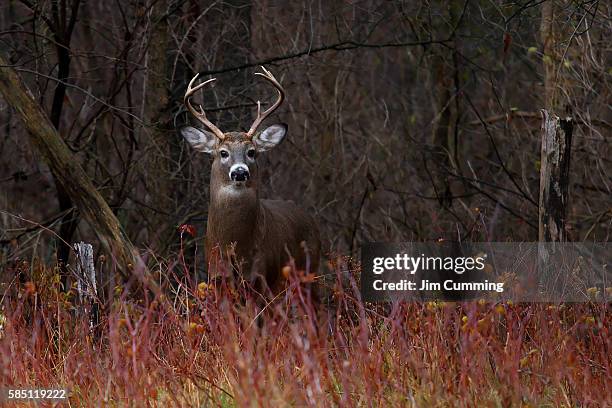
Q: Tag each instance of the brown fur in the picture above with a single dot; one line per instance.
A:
(262, 233)
(259, 236)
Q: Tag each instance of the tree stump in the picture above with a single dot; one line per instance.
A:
(554, 177)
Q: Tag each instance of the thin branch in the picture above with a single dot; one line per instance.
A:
(339, 46)
(84, 91)
(528, 115)
(499, 158)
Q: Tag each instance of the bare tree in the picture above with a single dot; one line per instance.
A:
(65, 168)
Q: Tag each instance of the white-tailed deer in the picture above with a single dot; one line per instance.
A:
(258, 235)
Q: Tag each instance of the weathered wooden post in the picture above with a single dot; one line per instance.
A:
(554, 199)
(86, 282)
(554, 177)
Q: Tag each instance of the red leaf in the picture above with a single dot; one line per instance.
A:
(188, 228)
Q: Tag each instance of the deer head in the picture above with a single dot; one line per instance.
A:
(234, 153)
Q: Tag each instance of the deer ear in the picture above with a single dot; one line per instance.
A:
(270, 137)
(200, 140)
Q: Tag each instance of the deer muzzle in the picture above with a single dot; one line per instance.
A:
(239, 172)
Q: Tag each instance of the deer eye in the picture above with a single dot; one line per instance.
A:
(224, 154)
(251, 153)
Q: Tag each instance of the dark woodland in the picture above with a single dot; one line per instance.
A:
(407, 121)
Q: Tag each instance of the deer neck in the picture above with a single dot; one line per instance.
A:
(232, 216)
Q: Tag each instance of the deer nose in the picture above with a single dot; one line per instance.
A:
(239, 173)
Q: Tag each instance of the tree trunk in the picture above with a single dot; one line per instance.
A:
(157, 167)
(440, 141)
(62, 35)
(556, 132)
(66, 168)
(556, 50)
(235, 52)
(548, 37)
(554, 177)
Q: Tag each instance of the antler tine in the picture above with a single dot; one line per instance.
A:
(201, 115)
(281, 97)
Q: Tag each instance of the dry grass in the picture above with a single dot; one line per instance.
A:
(205, 346)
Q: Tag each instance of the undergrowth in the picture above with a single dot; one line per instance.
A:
(198, 344)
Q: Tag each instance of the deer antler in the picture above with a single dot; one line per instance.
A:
(201, 116)
(281, 97)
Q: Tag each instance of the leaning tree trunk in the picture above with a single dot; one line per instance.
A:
(66, 168)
